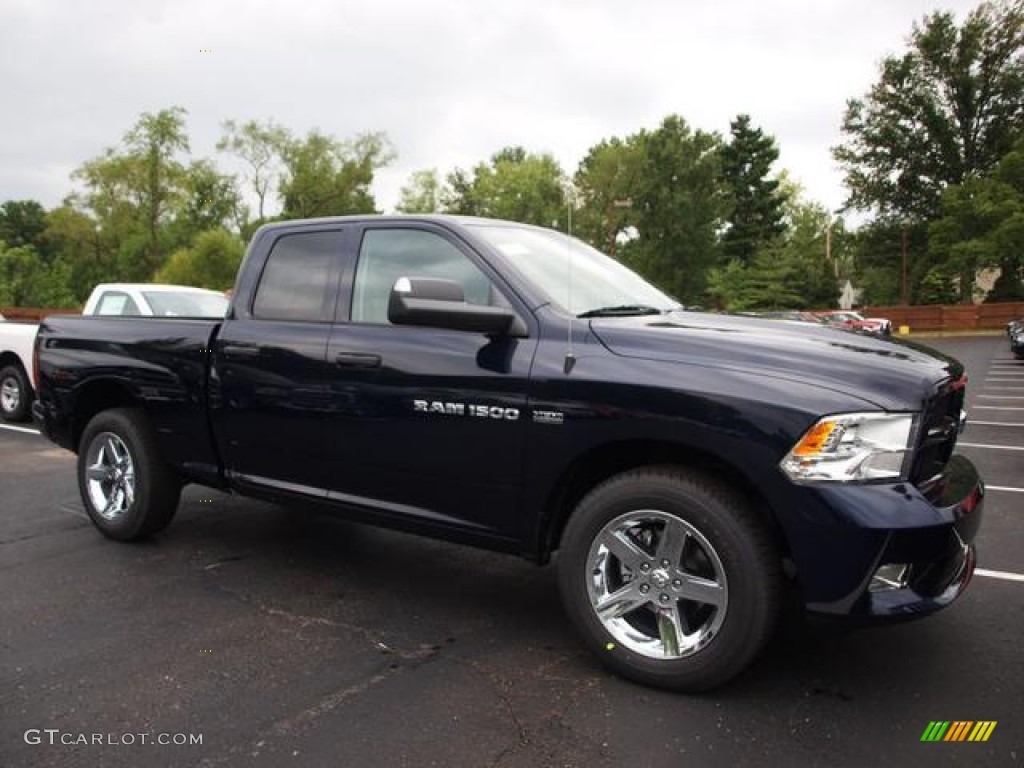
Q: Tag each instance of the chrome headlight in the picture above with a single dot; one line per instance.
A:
(853, 448)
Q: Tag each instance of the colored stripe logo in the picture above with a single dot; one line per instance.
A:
(958, 730)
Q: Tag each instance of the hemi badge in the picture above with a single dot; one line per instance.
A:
(548, 417)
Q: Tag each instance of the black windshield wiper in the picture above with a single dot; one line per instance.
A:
(621, 310)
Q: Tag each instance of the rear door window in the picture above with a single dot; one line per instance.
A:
(297, 282)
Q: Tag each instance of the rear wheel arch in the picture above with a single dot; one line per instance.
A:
(96, 397)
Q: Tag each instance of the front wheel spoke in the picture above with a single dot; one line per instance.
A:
(112, 505)
(98, 472)
(670, 630)
(700, 590)
(625, 549)
(672, 542)
(620, 602)
(127, 493)
(117, 455)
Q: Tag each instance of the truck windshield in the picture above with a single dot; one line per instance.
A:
(598, 285)
(186, 304)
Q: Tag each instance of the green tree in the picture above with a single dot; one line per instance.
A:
(27, 280)
(135, 189)
(797, 270)
(22, 222)
(78, 244)
(678, 207)
(607, 184)
(422, 194)
(943, 112)
(756, 202)
(877, 258)
(211, 261)
(982, 226)
(260, 146)
(514, 185)
(327, 177)
(209, 200)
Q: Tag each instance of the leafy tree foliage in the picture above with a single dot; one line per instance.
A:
(793, 271)
(22, 222)
(134, 190)
(422, 194)
(260, 146)
(326, 177)
(77, 242)
(945, 111)
(877, 250)
(607, 184)
(982, 225)
(679, 206)
(514, 185)
(211, 261)
(755, 200)
(26, 280)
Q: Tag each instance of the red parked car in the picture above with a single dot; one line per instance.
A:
(854, 321)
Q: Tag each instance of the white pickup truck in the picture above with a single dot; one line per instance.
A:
(17, 385)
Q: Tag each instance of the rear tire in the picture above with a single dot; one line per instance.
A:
(671, 577)
(15, 394)
(127, 489)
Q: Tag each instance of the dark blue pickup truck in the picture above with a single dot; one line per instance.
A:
(509, 387)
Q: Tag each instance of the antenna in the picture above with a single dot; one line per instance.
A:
(570, 359)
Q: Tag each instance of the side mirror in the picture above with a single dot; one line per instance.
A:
(436, 303)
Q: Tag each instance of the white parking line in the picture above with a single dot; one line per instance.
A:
(997, 408)
(1004, 489)
(1001, 397)
(1004, 575)
(20, 429)
(972, 422)
(997, 447)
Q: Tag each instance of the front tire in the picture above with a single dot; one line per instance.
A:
(671, 577)
(15, 394)
(127, 489)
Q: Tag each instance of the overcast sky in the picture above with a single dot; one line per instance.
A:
(449, 82)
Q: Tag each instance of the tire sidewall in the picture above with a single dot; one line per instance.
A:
(15, 374)
(749, 605)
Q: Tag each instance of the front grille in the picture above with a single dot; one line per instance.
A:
(937, 436)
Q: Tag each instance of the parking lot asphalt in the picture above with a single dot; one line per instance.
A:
(282, 638)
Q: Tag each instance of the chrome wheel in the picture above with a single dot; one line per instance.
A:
(10, 394)
(110, 476)
(656, 584)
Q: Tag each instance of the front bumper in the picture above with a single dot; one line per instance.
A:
(892, 551)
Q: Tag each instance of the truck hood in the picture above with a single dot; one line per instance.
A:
(893, 375)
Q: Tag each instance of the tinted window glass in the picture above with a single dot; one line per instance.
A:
(294, 280)
(388, 254)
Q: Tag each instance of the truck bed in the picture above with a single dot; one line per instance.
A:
(161, 363)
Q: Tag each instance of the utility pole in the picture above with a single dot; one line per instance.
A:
(904, 287)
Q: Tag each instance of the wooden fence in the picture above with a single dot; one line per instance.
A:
(32, 314)
(950, 317)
